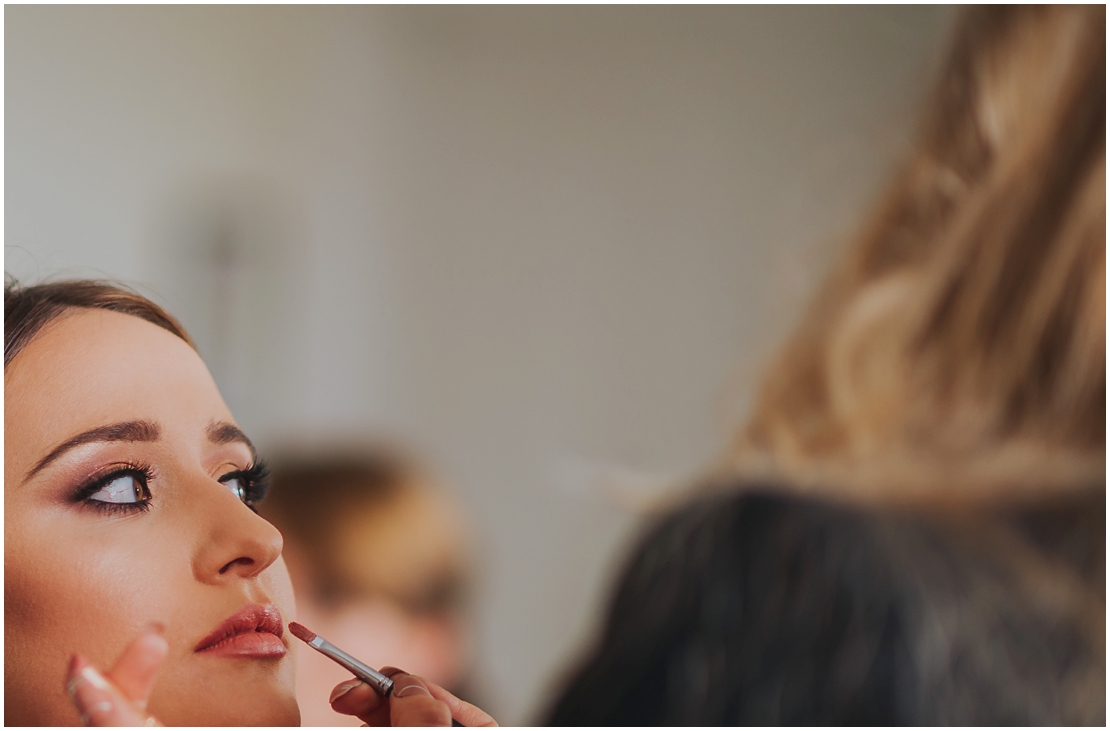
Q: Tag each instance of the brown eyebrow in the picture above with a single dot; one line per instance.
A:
(224, 432)
(125, 431)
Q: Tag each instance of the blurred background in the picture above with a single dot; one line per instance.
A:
(545, 248)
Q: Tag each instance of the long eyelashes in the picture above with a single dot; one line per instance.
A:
(123, 489)
(249, 485)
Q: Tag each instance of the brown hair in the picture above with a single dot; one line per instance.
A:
(28, 309)
(369, 519)
(959, 350)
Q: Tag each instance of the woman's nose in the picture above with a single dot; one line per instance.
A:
(237, 543)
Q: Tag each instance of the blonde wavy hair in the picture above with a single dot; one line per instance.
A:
(958, 353)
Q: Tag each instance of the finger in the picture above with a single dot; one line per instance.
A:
(412, 704)
(465, 713)
(138, 666)
(97, 700)
(356, 698)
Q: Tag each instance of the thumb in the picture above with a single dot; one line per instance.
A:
(136, 669)
(412, 704)
(98, 701)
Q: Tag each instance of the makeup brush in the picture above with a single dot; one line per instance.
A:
(362, 671)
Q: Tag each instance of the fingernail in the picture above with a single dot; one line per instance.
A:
(80, 671)
(343, 689)
(414, 687)
(94, 678)
(73, 675)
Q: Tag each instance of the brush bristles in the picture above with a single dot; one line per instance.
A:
(301, 632)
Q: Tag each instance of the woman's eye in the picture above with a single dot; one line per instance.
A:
(123, 489)
(248, 484)
(235, 484)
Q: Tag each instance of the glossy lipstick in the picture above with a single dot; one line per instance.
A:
(253, 632)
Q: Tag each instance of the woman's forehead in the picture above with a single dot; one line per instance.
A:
(94, 367)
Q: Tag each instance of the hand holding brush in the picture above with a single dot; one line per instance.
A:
(391, 697)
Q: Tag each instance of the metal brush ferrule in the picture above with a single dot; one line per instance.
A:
(361, 670)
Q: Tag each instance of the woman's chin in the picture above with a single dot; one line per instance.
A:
(268, 701)
(246, 713)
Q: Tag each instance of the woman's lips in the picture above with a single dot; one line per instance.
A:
(253, 631)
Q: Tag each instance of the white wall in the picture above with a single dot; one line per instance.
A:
(535, 241)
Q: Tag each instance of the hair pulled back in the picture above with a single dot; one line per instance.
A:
(29, 309)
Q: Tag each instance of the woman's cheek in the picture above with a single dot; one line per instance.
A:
(109, 593)
(59, 600)
(95, 582)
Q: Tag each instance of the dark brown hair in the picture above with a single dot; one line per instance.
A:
(958, 352)
(28, 309)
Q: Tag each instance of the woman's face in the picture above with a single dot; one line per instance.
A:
(122, 507)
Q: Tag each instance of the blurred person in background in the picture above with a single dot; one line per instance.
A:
(379, 566)
(917, 534)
